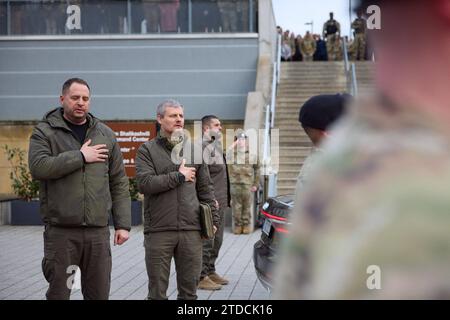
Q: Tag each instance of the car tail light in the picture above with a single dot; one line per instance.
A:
(268, 215)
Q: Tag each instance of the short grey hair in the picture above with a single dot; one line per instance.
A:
(161, 108)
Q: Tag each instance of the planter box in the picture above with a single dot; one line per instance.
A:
(24, 213)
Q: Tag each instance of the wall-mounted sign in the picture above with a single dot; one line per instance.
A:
(130, 136)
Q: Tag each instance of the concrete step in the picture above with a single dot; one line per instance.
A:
(298, 90)
(307, 80)
(290, 121)
(286, 182)
(315, 65)
(298, 134)
(290, 174)
(293, 111)
(292, 106)
(294, 125)
(285, 190)
(300, 151)
(290, 143)
(290, 168)
(300, 93)
(285, 116)
(283, 160)
(283, 102)
(325, 84)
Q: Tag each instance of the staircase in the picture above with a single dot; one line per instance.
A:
(300, 81)
(364, 77)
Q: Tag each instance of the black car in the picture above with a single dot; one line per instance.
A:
(274, 213)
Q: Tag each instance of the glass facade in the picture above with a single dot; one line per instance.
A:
(89, 17)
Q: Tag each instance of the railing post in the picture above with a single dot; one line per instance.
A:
(190, 16)
(129, 16)
(8, 18)
(278, 57)
(354, 83)
(250, 15)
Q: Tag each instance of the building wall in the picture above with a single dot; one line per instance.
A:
(18, 135)
(129, 76)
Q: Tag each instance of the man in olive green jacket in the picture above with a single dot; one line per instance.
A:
(172, 193)
(82, 178)
(214, 157)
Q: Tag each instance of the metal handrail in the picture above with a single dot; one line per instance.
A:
(269, 174)
(344, 49)
(275, 80)
(278, 58)
(350, 71)
(270, 109)
(353, 79)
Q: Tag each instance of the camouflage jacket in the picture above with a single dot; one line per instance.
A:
(373, 220)
(243, 168)
(359, 25)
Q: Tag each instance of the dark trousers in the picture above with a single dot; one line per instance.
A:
(212, 247)
(186, 249)
(67, 249)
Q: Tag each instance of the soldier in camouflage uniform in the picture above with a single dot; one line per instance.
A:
(228, 14)
(244, 180)
(308, 47)
(331, 32)
(359, 44)
(373, 221)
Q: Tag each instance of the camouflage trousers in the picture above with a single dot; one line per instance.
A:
(333, 48)
(359, 47)
(241, 204)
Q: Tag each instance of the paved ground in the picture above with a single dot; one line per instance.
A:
(21, 251)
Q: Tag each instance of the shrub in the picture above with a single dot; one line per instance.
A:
(21, 181)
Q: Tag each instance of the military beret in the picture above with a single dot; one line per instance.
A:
(320, 111)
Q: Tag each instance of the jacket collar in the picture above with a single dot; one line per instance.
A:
(55, 119)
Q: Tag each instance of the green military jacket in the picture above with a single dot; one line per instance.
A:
(171, 204)
(74, 193)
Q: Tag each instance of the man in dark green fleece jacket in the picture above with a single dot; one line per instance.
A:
(82, 178)
(172, 193)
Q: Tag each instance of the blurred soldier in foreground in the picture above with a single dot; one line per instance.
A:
(316, 116)
(373, 220)
(244, 180)
(331, 32)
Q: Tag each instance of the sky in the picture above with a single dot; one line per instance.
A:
(293, 14)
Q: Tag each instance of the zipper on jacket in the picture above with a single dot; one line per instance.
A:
(84, 177)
